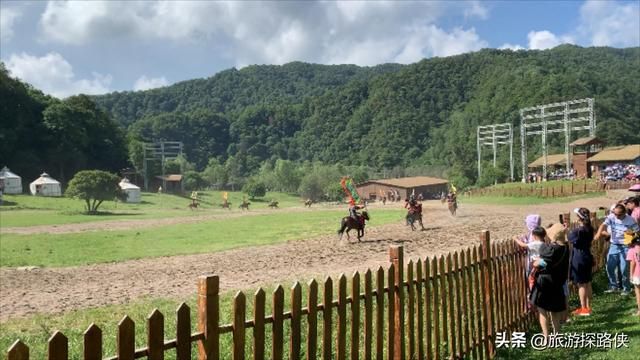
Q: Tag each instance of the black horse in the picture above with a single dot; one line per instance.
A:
(349, 223)
(412, 218)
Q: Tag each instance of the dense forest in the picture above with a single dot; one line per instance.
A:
(408, 119)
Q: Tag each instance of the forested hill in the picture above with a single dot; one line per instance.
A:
(232, 90)
(387, 116)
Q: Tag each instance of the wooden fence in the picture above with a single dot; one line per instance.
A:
(449, 306)
(568, 188)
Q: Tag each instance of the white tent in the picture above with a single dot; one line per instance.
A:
(12, 182)
(45, 185)
(133, 191)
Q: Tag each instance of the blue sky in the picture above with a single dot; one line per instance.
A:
(66, 48)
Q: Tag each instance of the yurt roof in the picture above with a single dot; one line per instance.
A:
(7, 174)
(126, 184)
(45, 179)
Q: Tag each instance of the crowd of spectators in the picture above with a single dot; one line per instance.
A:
(559, 254)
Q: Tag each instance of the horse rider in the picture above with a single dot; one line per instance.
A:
(451, 197)
(353, 212)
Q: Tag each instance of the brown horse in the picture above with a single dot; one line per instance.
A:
(308, 203)
(273, 204)
(349, 223)
(245, 205)
(193, 205)
(412, 217)
(453, 207)
(226, 205)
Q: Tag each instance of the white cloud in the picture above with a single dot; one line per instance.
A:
(8, 17)
(476, 10)
(507, 46)
(610, 23)
(54, 75)
(145, 83)
(540, 40)
(360, 32)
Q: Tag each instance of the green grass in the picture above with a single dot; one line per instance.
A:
(611, 313)
(528, 200)
(203, 237)
(27, 210)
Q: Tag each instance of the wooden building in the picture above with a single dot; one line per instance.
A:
(429, 187)
(583, 149)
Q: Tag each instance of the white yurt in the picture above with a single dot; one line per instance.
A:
(12, 182)
(133, 191)
(45, 185)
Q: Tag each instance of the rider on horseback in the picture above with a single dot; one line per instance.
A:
(353, 212)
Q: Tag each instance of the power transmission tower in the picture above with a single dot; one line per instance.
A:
(494, 135)
(160, 151)
(562, 117)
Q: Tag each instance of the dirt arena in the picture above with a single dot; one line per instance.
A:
(55, 290)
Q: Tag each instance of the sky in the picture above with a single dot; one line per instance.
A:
(94, 47)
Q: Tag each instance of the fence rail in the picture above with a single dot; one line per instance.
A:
(449, 306)
(568, 188)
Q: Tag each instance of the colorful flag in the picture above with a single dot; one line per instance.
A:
(453, 189)
(350, 190)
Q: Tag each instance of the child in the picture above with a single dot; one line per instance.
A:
(633, 255)
(538, 234)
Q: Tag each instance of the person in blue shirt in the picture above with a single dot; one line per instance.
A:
(616, 225)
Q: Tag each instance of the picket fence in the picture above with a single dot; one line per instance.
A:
(449, 306)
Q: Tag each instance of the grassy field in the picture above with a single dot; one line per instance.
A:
(612, 314)
(528, 200)
(27, 210)
(207, 236)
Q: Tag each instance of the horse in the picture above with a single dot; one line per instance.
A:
(349, 223)
(414, 216)
(193, 205)
(308, 203)
(226, 205)
(245, 205)
(273, 204)
(453, 207)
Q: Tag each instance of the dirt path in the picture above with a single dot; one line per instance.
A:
(53, 290)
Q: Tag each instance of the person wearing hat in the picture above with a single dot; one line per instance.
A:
(548, 293)
(582, 260)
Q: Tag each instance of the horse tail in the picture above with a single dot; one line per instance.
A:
(343, 226)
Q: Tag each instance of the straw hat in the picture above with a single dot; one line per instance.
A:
(557, 233)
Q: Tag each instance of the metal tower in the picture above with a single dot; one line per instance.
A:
(494, 135)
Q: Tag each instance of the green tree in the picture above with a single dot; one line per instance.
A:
(94, 187)
(193, 180)
(254, 188)
(311, 187)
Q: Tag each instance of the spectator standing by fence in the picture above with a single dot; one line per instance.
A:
(548, 293)
(634, 263)
(582, 260)
(616, 225)
(633, 205)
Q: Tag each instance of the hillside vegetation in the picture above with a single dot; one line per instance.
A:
(421, 115)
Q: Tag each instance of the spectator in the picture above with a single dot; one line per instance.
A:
(538, 236)
(633, 205)
(582, 260)
(617, 224)
(548, 293)
(634, 259)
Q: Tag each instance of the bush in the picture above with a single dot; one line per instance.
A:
(193, 180)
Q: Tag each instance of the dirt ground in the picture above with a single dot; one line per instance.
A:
(54, 290)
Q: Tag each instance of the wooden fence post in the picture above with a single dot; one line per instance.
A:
(487, 289)
(18, 351)
(209, 317)
(396, 256)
